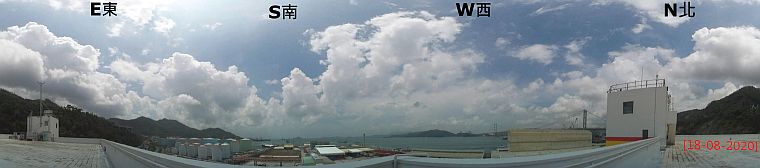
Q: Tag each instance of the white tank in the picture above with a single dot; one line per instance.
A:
(177, 144)
(196, 148)
(182, 149)
(208, 150)
(235, 145)
(202, 152)
(246, 145)
(192, 150)
(176, 149)
(226, 149)
(194, 140)
(216, 152)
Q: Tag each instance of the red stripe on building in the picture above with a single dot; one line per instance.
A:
(623, 138)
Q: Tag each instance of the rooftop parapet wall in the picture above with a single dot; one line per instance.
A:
(625, 155)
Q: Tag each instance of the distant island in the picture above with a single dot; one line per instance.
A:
(170, 128)
(737, 113)
(436, 133)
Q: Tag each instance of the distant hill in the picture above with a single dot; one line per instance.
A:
(170, 128)
(72, 121)
(435, 133)
(737, 113)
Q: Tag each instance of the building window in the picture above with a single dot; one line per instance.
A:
(628, 107)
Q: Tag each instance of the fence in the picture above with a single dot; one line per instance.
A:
(637, 85)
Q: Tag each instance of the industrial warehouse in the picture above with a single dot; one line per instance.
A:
(244, 152)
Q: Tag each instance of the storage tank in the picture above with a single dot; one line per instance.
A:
(176, 148)
(179, 143)
(216, 152)
(202, 152)
(235, 146)
(197, 145)
(166, 142)
(194, 140)
(210, 140)
(208, 150)
(246, 145)
(192, 150)
(182, 150)
(226, 149)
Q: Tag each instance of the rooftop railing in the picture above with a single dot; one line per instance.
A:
(637, 85)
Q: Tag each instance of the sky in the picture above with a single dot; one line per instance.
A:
(343, 68)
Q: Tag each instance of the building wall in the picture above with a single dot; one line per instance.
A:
(34, 128)
(54, 127)
(650, 111)
(547, 139)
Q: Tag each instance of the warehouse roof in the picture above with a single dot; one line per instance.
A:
(327, 151)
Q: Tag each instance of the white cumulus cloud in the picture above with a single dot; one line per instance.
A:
(163, 25)
(67, 68)
(724, 53)
(537, 52)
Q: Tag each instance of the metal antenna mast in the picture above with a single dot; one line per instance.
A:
(41, 83)
(585, 116)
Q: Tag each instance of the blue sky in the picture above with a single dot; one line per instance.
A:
(346, 67)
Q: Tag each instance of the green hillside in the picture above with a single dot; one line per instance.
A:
(170, 128)
(73, 121)
(737, 113)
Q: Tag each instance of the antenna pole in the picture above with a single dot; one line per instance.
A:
(41, 83)
(585, 115)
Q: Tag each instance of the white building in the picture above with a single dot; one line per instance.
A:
(329, 150)
(638, 110)
(43, 127)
